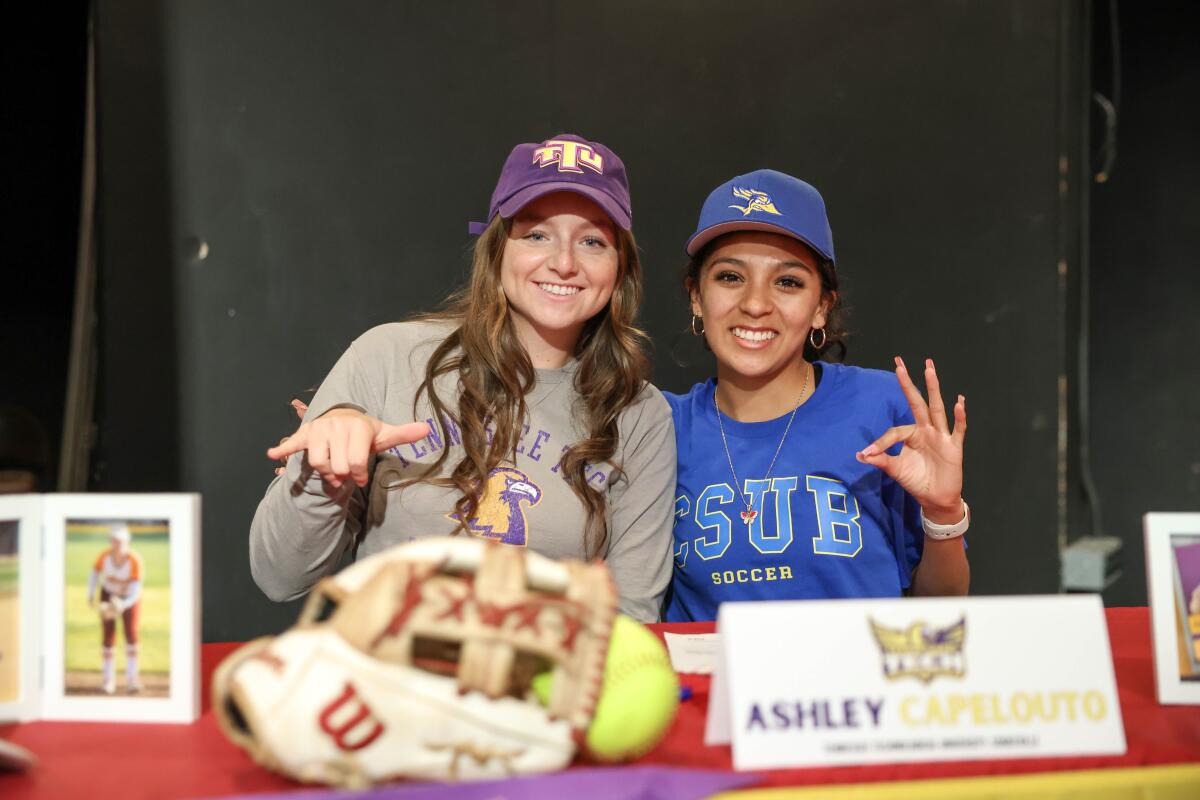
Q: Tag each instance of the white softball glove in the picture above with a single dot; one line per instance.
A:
(417, 663)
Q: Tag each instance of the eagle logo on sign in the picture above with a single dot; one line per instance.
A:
(501, 512)
(922, 651)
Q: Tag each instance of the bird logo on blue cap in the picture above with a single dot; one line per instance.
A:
(755, 201)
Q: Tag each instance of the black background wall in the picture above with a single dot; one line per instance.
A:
(42, 70)
(326, 157)
(1145, 223)
(329, 156)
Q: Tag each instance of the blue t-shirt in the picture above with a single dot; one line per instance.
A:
(827, 525)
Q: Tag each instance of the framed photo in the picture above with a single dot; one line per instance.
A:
(20, 630)
(120, 607)
(1173, 580)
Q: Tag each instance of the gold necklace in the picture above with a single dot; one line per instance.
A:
(749, 515)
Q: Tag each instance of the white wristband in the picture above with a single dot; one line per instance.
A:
(935, 531)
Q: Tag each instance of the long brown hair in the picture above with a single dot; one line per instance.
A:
(495, 373)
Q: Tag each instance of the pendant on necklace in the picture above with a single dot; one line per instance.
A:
(748, 517)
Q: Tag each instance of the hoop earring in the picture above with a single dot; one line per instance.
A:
(812, 338)
(694, 331)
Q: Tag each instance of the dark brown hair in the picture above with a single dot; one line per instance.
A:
(495, 373)
(834, 346)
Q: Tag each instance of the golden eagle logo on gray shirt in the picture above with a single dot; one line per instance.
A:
(501, 511)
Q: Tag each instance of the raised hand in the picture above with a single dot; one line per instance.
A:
(929, 466)
(341, 442)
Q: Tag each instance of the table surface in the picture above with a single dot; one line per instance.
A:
(144, 760)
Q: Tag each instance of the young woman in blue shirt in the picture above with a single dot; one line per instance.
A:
(800, 478)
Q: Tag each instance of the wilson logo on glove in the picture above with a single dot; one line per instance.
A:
(357, 715)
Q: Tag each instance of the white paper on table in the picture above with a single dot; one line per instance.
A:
(694, 653)
(719, 721)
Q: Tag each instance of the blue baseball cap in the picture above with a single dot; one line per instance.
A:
(765, 200)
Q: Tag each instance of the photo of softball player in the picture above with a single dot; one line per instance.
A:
(117, 573)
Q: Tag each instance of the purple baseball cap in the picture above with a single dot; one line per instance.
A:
(565, 163)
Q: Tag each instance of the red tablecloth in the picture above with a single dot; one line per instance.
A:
(130, 761)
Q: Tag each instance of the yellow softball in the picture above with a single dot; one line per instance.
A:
(639, 695)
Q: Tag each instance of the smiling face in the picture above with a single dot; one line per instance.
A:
(559, 269)
(759, 295)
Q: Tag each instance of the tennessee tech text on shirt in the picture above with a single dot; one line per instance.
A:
(535, 448)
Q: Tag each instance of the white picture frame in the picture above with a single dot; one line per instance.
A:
(20, 595)
(1172, 578)
(65, 694)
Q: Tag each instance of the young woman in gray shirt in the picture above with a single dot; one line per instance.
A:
(536, 426)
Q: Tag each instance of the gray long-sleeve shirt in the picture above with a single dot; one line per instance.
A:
(303, 526)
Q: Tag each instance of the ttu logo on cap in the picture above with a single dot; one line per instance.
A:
(755, 201)
(569, 156)
(580, 166)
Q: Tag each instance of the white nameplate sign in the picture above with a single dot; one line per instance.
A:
(818, 683)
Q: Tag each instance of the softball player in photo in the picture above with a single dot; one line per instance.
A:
(118, 575)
